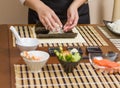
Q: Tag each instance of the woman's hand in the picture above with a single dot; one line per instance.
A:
(46, 15)
(48, 18)
(72, 18)
(72, 14)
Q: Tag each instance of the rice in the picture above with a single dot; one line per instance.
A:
(58, 29)
(115, 26)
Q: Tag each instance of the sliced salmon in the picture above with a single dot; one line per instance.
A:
(106, 63)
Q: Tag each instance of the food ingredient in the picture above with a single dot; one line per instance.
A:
(106, 63)
(57, 30)
(30, 56)
(109, 66)
(115, 26)
(68, 56)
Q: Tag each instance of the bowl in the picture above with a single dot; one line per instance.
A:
(27, 44)
(112, 55)
(97, 56)
(114, 27)
(68, 67)
(103, 63)
(33, 64)
(68, 59)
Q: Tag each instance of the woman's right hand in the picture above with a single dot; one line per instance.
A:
(48, 18)
(46, 15)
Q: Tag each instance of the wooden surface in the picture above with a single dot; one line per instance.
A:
(4, 58)
(11, 55)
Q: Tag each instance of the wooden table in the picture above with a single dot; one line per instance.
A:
(11, 55)
(4, 57)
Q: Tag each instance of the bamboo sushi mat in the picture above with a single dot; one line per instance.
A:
(116, 42)
(115, 39)
(108, 33)
(88, 37)
(53, 76)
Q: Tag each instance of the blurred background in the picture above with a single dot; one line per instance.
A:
(12, 12)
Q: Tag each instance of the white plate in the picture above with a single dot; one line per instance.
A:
(110, 28)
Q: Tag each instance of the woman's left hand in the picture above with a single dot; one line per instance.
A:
(72, 18)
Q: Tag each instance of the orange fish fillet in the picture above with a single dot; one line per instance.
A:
(106, 63)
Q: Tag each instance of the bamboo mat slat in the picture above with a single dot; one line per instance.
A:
(88, 36)
(115, 39)
(108, 33)
(116, 42)
(53, 76)
(98, 36)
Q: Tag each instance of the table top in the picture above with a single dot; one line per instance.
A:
(11, 55)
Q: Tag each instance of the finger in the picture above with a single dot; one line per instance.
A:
(54, 24)
(48, 22)
(69, 24)
(57, 20)
(66, 26)
(69, 27)
(44, 23)
(74, 20)
(74, 23)
(68, 20)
